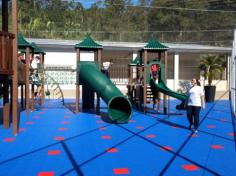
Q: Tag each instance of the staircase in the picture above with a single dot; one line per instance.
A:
(149, 94)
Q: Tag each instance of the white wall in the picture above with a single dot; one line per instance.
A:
(60, 59)
(233, 75)
(69, 59)
(86, 56)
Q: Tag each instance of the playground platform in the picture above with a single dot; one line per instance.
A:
(55, 141)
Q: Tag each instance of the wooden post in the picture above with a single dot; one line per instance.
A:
(165, 96)
(145, 82)
(32, 85)
(43, 77)
(98, 97)
(5, 15)
(15, 118)
(27, 64)
(6, 109)
(159, 56)
(22, 95)
(32, 97)
(130, 72)
(77, 81)
(168, 104)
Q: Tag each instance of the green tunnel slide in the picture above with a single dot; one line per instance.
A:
(162, 87)
(119, 107)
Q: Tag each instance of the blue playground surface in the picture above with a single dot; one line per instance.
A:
(55, 141)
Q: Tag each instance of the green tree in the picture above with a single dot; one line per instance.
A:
(212, 66)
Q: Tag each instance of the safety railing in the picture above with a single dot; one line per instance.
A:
(6, 52)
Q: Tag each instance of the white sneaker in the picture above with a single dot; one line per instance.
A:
(191, 127)
(195, 131)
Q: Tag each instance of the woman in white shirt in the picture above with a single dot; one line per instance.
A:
(196, 100)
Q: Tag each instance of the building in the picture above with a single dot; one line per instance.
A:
(183, 61)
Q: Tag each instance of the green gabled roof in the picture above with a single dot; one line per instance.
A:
(154, 44)
(136, 61)
(37, 50)
(88, 43)
(22, 43)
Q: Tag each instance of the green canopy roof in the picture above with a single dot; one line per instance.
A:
(88, 43)
(154, 44)
(22, 43)
(37, 50)
(136, 61)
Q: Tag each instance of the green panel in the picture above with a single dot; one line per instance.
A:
(119, 107)
(162, 70)
(37, 50)
(154, 44)
(161, 85)
(22, 43)
(136, 61)
(88, 43)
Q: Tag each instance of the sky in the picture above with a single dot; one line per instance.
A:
(88, 3)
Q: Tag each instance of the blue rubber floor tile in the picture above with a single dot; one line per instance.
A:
(87, 146)
(128, 159)
(184, 167)
(167, 136)
(217, 128)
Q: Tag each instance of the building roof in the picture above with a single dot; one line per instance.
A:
(154, 44)
(68, 46)
(37, 50)
(88, 43)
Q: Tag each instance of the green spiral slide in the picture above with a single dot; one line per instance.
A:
(119, 107)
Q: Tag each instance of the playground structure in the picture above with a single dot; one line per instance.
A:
(91, 78)
(15, 70)
(147, 78)
(8, 67)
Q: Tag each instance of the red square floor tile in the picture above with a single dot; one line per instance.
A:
(119, 171)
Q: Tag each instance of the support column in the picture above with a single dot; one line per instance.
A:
(176, 71)
(27, 64)
(228, 72)
(145, 82)
(99, 56)
(5, 15)
(135, 54)
(133, 70)
(32, 97)
(165, 96)
(43, 78)
(6, 106)
(77, 81)
(22, 95)
(15, 118)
